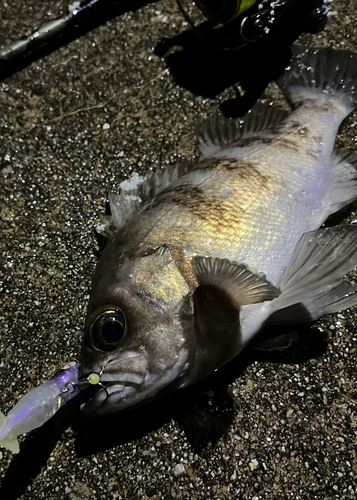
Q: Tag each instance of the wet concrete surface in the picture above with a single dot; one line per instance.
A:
(73, 124)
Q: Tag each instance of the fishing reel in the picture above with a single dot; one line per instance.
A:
(231, 24)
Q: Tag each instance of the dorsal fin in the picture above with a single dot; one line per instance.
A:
(136, 193)
(219, 133)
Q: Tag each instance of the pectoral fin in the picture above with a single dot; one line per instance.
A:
(278, 343)
(236, 280)
(314, 279)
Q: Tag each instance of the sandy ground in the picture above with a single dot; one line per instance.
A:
(72, 124)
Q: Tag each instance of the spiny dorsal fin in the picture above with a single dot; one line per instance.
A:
(241, 284)
(136, 193)
(218, 133)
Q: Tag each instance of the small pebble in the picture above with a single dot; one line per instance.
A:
(179, 470)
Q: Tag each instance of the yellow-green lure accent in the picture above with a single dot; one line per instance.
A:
(93, 378)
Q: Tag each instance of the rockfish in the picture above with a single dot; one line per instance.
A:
(202, 256)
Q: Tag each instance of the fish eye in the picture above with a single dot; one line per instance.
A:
(105, 328)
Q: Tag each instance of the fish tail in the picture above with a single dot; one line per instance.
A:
(314, 72)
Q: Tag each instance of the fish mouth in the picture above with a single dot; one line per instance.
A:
(128, 381)
(110, 398)
(120, 382)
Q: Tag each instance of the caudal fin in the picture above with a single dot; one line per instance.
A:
(315, 72)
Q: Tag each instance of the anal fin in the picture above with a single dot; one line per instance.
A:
(344, 189)
(314, 279)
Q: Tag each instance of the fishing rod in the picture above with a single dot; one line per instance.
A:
(78, 13)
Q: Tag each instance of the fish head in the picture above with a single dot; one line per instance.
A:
(137, 334)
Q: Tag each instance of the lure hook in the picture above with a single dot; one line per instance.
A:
(93, 379)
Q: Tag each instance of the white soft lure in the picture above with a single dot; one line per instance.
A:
(38, 406)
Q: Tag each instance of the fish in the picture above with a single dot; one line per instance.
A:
(201, 256)
(38, 406)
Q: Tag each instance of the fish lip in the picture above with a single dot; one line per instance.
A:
(110, 364)
(124, 379)
(92, 407)
(114, 381)
(98, 402)
(136, 377)
(125, 356)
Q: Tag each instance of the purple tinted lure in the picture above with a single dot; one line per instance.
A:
(38, 406)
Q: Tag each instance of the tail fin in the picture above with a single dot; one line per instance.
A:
(321, 71)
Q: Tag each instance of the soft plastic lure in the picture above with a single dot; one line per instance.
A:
(38, 406)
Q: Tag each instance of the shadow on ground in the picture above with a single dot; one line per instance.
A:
(199, 64)
(204, 411)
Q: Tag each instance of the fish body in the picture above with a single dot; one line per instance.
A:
(203, 255)
(38, 406)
